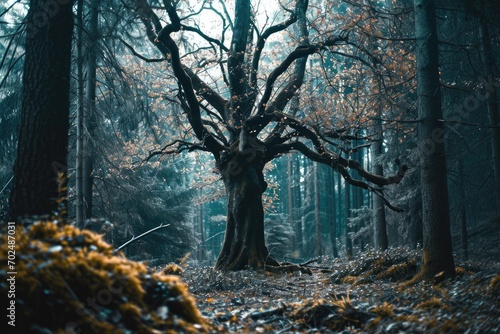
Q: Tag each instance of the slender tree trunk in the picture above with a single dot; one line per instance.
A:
(199, 216)
(90, 112)
(437, 252)
(333, 216)
(297, 209)
(79, 119)
(290, 199)
(492, 106)
(463, 213)
(379, 222)
(317, 212)
(347, 214)
(43, 137)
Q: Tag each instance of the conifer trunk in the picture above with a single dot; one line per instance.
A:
(43, 137)
(437, 251)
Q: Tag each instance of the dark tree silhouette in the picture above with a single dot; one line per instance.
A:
(43, 137)
(437, 253)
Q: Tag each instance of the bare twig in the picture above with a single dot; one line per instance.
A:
(140, 236)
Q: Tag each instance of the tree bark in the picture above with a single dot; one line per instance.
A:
(317, 212)
(333, 216)
(90, 110)
(347, 214)
(79, 119)
(437, 252)
(379, 222)
(244, 242)
(43, 137)
(463, 212)
(299, 239)
(492, 105)
(290, 198)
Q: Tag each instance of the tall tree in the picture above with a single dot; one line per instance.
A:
(233, 129)
(43, 137)
(317, 212)
(491, 101)
(90, 119)
(379, 222)
(437, 252)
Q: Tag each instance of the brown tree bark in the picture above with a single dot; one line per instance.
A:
(43, 137)
(437, 251)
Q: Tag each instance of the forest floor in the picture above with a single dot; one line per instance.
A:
(368, 294)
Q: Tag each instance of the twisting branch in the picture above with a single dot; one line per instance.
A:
(342, 165)
(167, 45)
(182, 146)
(299, 52)
(137, 54)
(260, 46)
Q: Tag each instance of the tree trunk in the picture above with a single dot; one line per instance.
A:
(437, 253)
(199, 220)
(347, 214)
(244, 242)
(90, 114)
(463, 212)
(43, 137)
(290, 198)
(317, 212)
(79, 119)
(333, 216)
(297, 209)
(492, 106)
(379, 222)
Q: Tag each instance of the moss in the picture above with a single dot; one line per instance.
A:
(350, 280)
(460, 271)
(172, 269)
(385, 310)
(68, 279)
(494, 285)
(432, 303)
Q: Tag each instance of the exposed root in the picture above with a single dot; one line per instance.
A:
(287, 268)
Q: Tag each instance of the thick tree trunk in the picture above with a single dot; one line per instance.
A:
(244, 242)
(437, 252)
(43, 138)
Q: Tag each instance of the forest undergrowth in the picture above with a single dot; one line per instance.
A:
(365, 295)
(71, 281)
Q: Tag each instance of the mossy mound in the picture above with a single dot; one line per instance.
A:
(69, 280)
(395, 264)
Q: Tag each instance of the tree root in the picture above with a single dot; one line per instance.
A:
(287, 268)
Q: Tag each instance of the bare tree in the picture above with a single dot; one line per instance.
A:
(251, 127)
